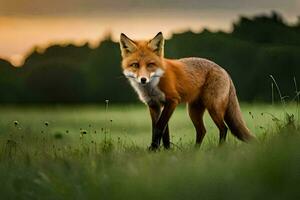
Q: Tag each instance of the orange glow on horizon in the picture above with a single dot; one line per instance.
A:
(19, 35)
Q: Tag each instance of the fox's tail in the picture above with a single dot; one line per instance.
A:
(233, 118)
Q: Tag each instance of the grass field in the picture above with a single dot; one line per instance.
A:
(93, 152)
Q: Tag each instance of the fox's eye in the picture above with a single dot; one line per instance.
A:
(150, 65)
(135, 65)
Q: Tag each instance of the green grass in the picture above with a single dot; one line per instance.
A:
(87, 152)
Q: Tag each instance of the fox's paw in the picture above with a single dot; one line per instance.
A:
(153, 147)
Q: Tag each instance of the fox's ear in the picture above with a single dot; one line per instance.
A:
(157, 44)
(127, 45)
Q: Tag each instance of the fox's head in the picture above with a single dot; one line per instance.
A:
(142, 60)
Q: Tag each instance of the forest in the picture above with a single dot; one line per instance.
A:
(256, 48)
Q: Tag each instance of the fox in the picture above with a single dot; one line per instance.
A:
(163, 83)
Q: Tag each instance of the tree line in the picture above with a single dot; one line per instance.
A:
(256, 48)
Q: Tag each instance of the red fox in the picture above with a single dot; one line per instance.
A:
(164, 83)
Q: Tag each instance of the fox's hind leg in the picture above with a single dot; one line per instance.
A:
(215, 97)
(196, 111)
(217, 113)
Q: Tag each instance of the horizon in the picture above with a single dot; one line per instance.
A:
(24, 26)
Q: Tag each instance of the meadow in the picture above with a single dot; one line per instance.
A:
(100, 152)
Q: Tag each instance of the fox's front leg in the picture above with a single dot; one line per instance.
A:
(155, 111)
(162, 123)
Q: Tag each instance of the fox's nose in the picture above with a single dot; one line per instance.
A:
(143, 80)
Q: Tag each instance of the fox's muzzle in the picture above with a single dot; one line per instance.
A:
(143, 80)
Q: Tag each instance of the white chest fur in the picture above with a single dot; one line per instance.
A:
(149, 92)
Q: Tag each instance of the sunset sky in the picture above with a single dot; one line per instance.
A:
(28, 23)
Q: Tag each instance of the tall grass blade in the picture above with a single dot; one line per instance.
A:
(297, 101)
(282, 99)
(272, 88)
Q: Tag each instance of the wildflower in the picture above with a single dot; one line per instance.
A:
(16, 123)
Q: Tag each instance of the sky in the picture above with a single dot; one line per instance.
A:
(28, 23)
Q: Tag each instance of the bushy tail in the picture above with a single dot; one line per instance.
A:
(233, 118)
